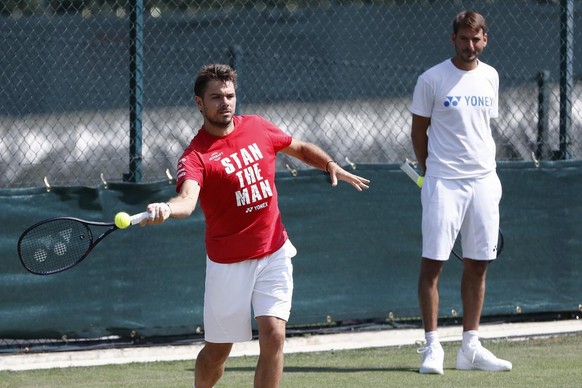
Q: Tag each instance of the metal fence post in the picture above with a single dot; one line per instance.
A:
(235, 61)
(135, 90)
(566, 73)
(543, 79)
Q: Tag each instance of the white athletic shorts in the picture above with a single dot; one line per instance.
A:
(466, 206)
(266, 284)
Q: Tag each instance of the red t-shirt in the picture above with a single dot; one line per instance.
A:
(236, 174)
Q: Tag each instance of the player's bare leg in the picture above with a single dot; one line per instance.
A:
(210, 364)
(432, 360)
(428, 292)
(472, 355)
(473, 292)
(271, 342)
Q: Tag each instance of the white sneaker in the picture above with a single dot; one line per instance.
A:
(479, 358)
(433, 359)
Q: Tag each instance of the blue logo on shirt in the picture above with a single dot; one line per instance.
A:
(452, 101)
(475, 101)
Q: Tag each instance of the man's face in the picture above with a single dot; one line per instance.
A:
(218, 103)
(468, 44)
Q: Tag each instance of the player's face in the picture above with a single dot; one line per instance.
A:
(469, 45)
(218, 104)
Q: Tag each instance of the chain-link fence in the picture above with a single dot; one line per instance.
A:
(102, 90)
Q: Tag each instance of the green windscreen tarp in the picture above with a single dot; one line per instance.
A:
(358, 255)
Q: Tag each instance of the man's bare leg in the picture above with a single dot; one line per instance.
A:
(271, 358)
(473, 292)
(428, 292)
(210, 364)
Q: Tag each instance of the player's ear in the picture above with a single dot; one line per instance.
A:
(199, 102)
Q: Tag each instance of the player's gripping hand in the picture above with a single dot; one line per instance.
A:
(160, 211)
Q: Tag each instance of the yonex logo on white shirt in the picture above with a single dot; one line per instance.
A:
(452, 101)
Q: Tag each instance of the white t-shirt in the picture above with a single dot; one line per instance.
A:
(460, 105)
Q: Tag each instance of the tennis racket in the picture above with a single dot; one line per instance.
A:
(58, 244)
(458, 251)
(410, 170)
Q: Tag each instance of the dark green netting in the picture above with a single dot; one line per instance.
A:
(358, 255)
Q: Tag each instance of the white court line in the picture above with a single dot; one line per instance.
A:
(308, 343)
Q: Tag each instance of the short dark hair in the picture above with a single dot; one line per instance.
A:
(211, 72)
(471, 19)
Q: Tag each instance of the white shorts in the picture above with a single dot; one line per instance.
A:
(466, 206)
(266, 284)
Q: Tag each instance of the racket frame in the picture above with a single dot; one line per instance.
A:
(135, 219)
(498, 250)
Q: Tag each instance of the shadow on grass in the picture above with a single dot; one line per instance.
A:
(327, 369)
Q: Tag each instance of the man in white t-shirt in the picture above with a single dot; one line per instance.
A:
(452, 105)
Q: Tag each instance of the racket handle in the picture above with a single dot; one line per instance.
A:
(137, 218)
(411, 172)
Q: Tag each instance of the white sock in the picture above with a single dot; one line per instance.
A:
(470, 337)
(432, 338)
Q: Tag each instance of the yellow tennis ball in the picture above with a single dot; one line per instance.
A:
(420, 181)
(122, 220)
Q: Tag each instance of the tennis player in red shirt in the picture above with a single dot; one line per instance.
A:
(230, 168)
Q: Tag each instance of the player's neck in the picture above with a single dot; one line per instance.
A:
(218, 131)
(465, 65)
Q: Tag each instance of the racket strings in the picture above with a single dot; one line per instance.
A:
(54, 245)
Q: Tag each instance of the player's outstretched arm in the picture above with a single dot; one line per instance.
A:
(181, 206)
(314, 156)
